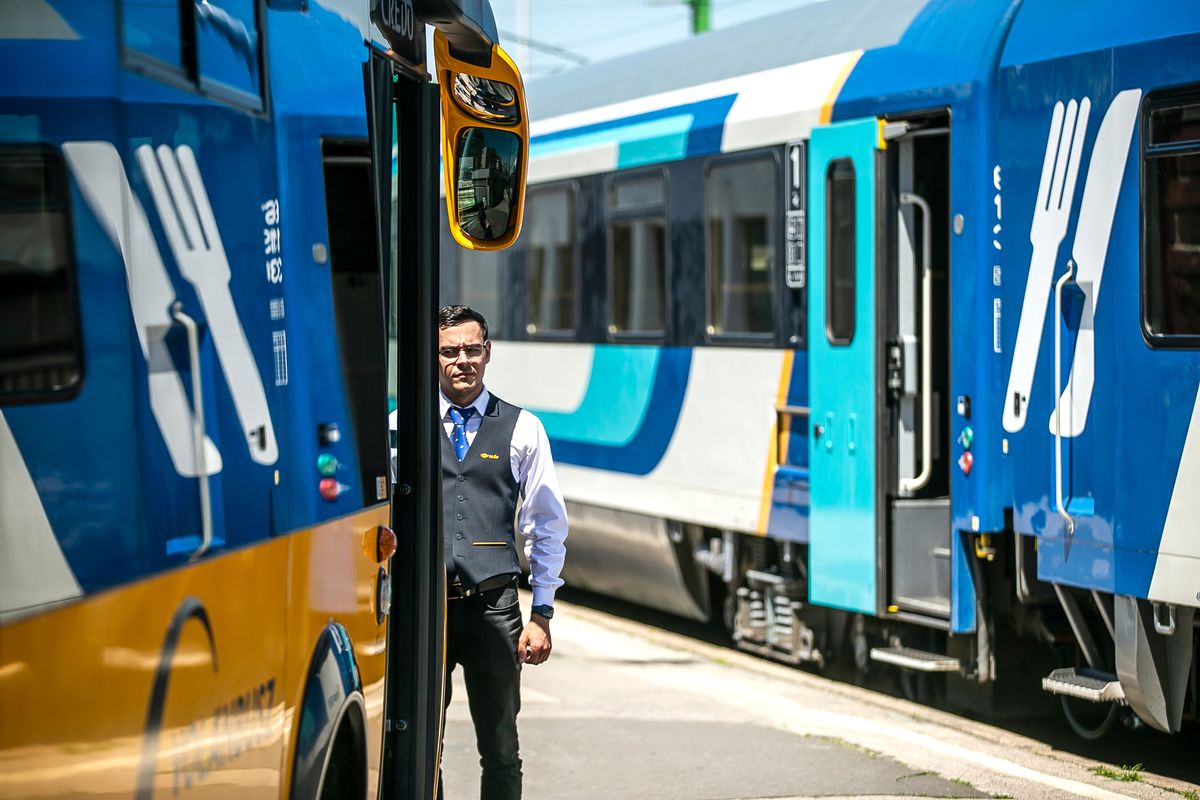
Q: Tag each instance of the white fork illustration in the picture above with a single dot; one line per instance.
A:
(1056, 194)
(101, 178)
(1100, 192)
(191, 229)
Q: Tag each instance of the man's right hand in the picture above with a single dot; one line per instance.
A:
(534, 646)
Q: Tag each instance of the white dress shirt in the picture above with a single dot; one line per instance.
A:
(541, 515)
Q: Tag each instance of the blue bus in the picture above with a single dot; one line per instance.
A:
(218, 262)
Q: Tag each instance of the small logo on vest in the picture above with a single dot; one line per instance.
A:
(489, 455)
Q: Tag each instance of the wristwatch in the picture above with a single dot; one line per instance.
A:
(543, 611)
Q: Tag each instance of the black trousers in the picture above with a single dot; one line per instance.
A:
(481, 635)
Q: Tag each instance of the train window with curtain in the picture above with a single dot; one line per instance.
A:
(840, 229)
(741, 201)
(637, 268)
(1171, 247)
(41, 357)
(551, 261)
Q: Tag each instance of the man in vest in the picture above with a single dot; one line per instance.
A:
(491, 453)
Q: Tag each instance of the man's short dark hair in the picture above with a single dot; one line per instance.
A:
(450, 316)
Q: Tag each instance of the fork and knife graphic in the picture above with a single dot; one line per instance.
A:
(1056, 194)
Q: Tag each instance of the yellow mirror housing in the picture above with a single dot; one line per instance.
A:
(485, 147)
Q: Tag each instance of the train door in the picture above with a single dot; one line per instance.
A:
(845, 166)
(915, 447)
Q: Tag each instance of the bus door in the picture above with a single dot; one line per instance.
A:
(844, 168)
(917, 357)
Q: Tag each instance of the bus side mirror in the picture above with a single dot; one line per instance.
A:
(485, 147)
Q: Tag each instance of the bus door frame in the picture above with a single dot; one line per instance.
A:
(405, 110)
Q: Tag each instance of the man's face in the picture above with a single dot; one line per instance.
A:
(461, 372)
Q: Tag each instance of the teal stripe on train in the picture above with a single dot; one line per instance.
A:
(637, 144)
(687, 130)
(616, 401)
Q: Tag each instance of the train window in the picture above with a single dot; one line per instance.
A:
(741, 206)
(632, 194)
(637, 257)
(840, 231)
(551, 264)
(1171, 297)
(40, 352)
(478, 282)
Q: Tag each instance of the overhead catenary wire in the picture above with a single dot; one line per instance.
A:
(549, 49)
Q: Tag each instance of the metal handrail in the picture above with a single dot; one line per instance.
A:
(199, 434)
(911, 485)
(1058, 483)
(795, 411)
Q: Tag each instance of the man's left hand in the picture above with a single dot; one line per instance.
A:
(534, 645)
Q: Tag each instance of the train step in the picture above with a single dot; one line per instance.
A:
(919, 660)
(1085, 684)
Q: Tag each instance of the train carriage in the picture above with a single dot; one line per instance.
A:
(783, 288)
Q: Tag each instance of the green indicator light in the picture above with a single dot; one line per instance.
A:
(966, 437)
(327, 465)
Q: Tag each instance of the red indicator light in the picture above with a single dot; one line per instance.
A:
(330, 489)
(385, 543)
(965, 462)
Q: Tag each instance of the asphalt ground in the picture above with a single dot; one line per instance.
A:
(625, 709)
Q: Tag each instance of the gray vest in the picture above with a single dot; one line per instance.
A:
(479, 501)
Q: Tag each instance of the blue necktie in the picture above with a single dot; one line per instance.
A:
(459, 417)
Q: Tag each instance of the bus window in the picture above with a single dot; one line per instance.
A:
(839, 268)
(151, 28)
(1172, 224)
(551, 262)
(214, 48)
(741, 199)
(357, 293)
(637, 257)
(40, 355)
(227, 38)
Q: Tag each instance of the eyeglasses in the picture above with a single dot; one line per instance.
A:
(474, 352)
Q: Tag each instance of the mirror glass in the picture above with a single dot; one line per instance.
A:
(486, 181)
(492, 101)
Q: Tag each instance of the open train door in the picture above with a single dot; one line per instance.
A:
(844, 366)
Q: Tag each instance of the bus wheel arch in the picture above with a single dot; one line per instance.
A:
(331, 752)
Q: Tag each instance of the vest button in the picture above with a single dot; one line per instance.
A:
(461, 478)
(460, 516)
(461, 498)
(458, 536)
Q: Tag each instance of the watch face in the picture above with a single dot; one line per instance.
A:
(545, 611)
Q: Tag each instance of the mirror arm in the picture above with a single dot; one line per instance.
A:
(468, 25)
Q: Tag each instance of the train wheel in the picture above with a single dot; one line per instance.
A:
(1090, 721)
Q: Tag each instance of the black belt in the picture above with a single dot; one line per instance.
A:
(456, 591)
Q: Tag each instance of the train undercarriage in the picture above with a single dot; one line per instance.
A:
(1103, 659)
